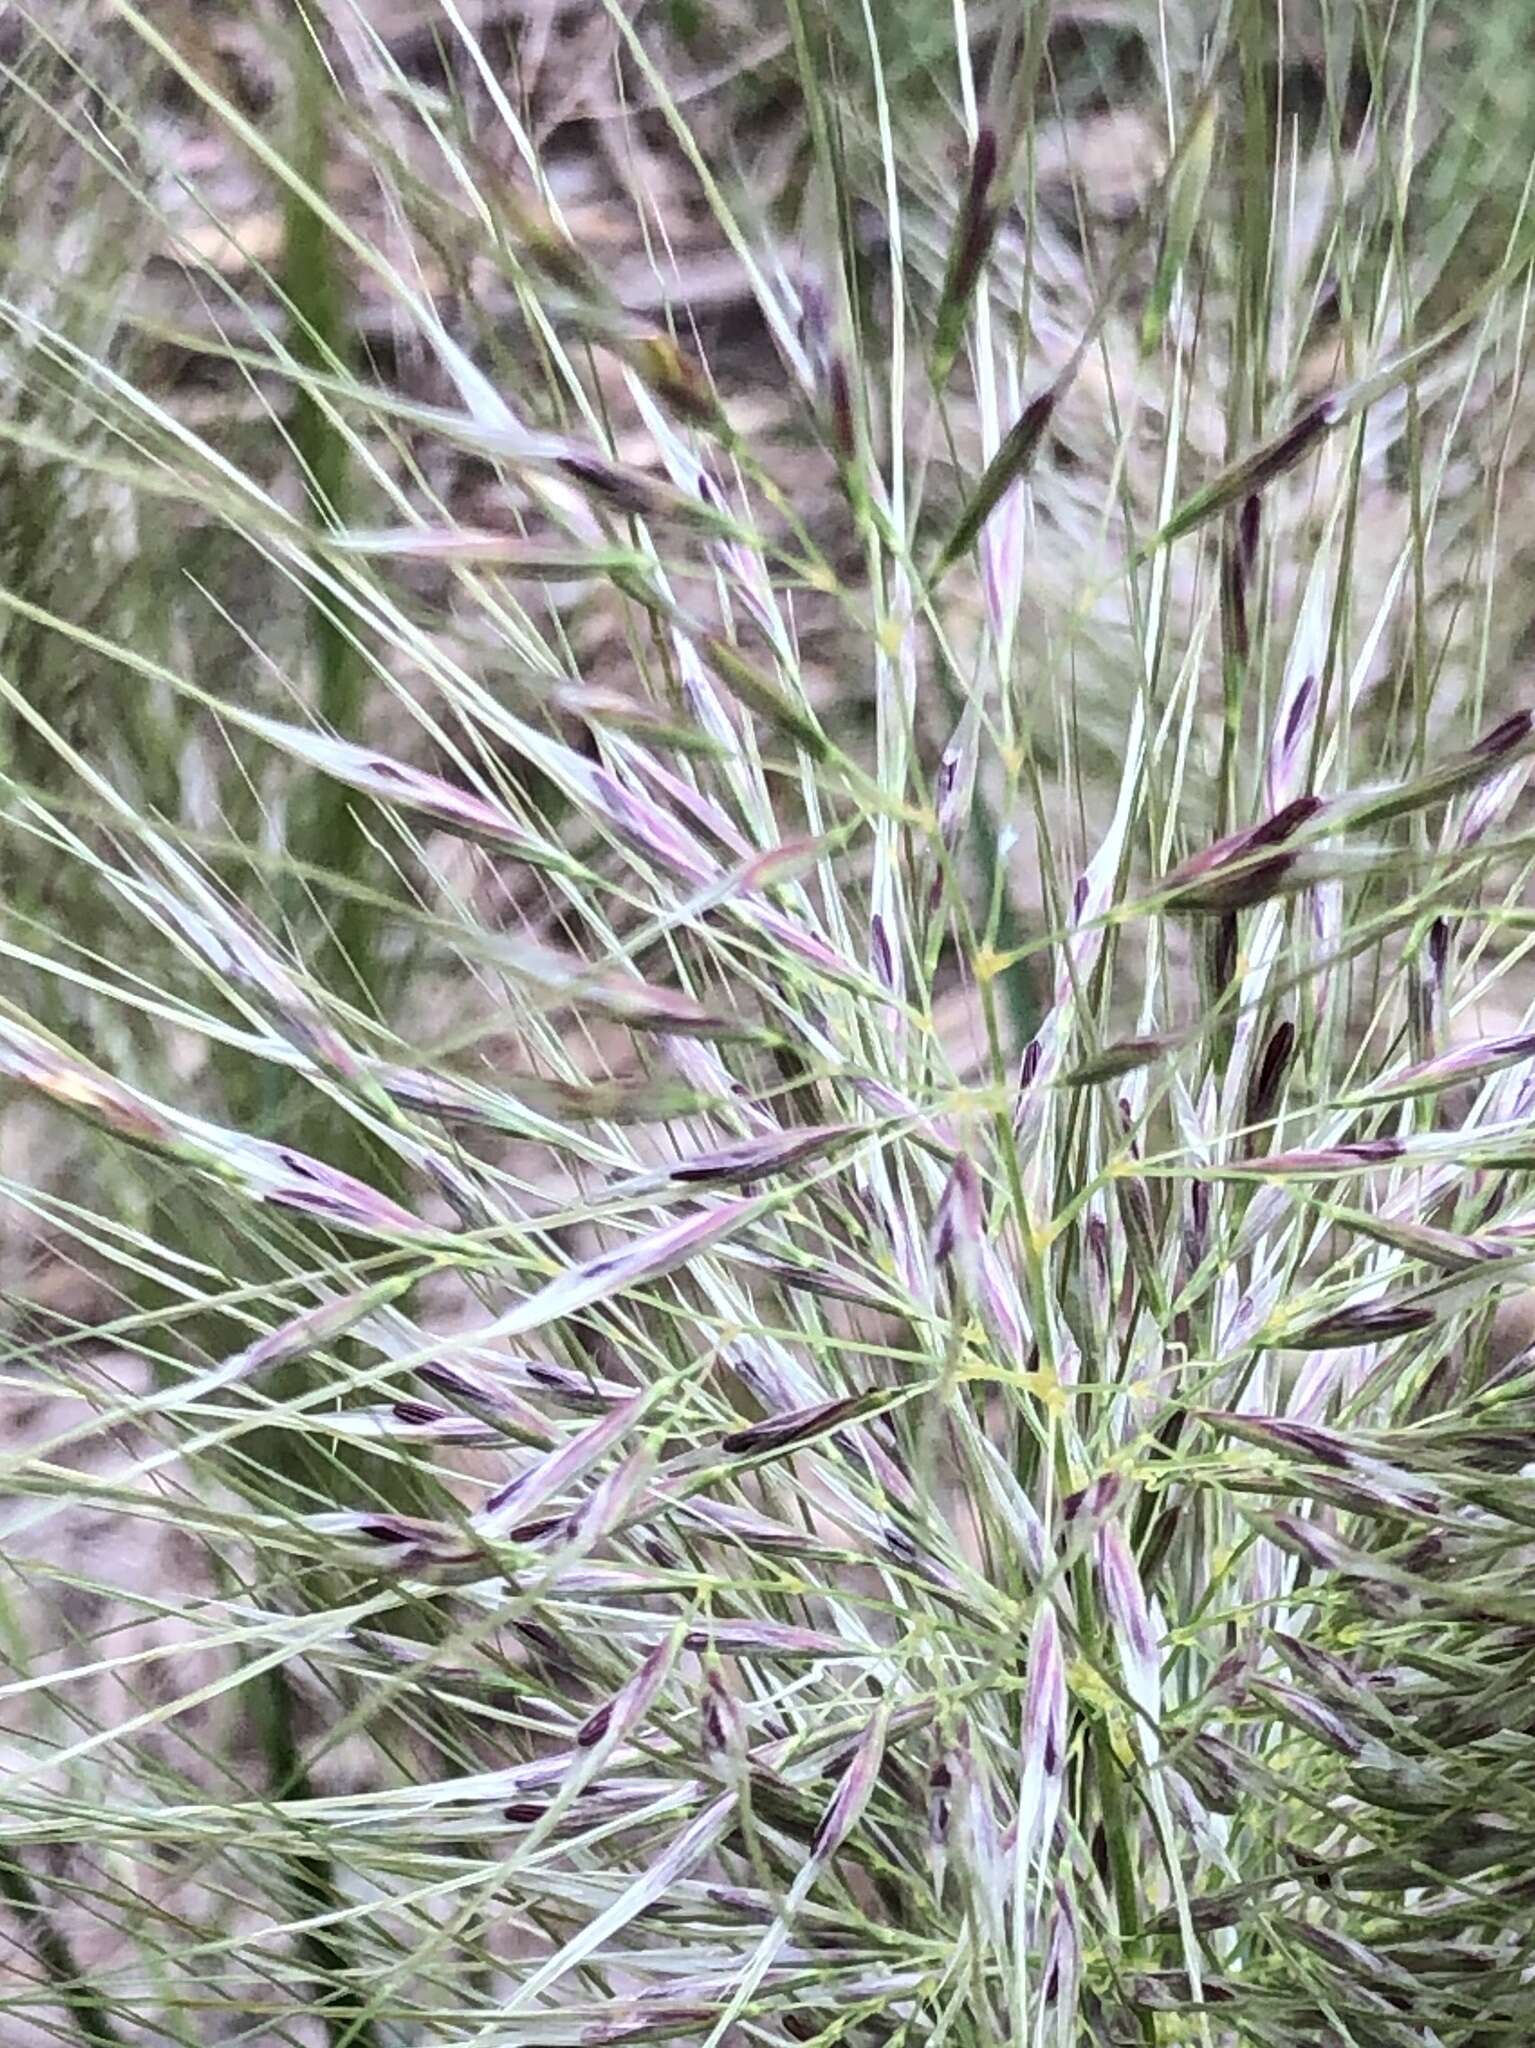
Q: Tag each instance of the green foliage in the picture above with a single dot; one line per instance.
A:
(767, 1036)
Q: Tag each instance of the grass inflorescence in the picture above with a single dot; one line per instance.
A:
(768, 1045)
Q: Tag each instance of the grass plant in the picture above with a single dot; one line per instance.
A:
(767, 1026)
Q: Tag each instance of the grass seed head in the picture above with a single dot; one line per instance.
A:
(791, 1242)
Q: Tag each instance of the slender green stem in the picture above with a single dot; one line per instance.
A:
(313, 1876)
(326, 829)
